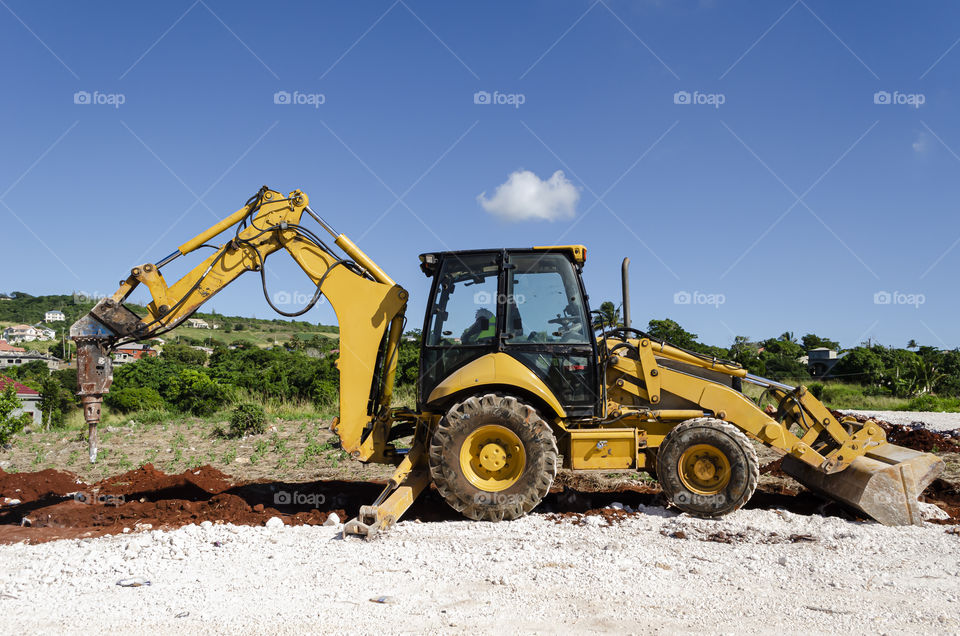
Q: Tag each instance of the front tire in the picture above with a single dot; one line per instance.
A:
(707, 467)
(493, 457)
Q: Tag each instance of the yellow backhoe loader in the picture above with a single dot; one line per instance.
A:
(515, 381)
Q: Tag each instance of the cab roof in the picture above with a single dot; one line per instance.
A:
(577, 253)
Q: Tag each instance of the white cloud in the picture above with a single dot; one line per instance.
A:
(922, 144)
(526, 197)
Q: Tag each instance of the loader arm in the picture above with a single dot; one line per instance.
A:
(369, 306)
(846, 461)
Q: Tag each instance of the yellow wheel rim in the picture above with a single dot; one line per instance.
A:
(704, 469)
(492, 458)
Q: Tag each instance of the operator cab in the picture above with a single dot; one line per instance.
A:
(528, 303)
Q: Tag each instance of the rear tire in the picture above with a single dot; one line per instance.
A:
(707, 467)
(493, 457)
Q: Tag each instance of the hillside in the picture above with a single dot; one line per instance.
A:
(25, 308)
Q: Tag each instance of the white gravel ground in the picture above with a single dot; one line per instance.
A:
(933, 421)
(530, 575)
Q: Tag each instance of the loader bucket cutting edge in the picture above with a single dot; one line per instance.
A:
(884, 484)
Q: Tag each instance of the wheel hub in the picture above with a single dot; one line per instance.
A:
(492, 458)
(704, 469)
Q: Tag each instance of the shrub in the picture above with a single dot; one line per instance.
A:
(193, 391)
(184, 354)
(842, 395)
(247, 419)
(11, 424)
(134, 399)
(932, 403)
(877, 391)
(816, 389)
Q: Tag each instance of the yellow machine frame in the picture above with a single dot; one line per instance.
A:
(649, 386)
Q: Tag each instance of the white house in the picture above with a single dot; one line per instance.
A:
(54, 315)
(197, 323)
(46, 333)
(21, 333)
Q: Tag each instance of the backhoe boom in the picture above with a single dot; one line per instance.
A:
(369, 305)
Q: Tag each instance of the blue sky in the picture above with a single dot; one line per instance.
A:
(798, 203)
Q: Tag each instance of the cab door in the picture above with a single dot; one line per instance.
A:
(547, 327)
(461, 323)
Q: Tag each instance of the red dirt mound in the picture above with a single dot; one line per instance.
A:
(147, 498)
(29, 487)
(147, 480)
(914, 436)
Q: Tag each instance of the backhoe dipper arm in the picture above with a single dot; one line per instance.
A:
(369, 305)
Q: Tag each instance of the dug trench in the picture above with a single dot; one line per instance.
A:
(36, 507)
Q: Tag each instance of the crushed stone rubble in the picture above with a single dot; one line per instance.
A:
(755, 571)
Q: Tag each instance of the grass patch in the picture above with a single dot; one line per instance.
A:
(933, 403)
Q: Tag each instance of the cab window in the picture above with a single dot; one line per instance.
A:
(465, 308)
(543, 301)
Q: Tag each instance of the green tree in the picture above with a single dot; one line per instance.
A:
(746, 354)
(155, 373)
(295, 343)
(781, 358)
(193, 391)
(134, 399)
(11, 424)
(185, 355)
(32, 373)
(408, 358)
(813, 341)
(860, 365)
(609, 316)
(672, 332)
(54, 402)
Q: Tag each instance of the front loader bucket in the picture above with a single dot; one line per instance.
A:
(883, 484)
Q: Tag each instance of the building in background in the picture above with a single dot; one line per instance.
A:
(6, 346)
(20, 358)
(54, 315)
(21, 333)
(29, 399)
(820, 362)
(132, 352)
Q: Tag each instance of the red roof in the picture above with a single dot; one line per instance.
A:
(21, 389)
(6, 346)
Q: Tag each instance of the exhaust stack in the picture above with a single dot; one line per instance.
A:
(625, 284)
